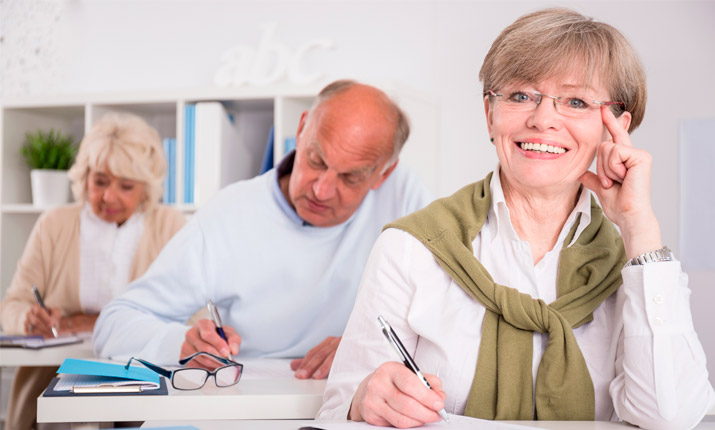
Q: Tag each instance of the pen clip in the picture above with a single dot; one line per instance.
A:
(213, 313)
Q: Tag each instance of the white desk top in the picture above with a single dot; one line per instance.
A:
(267, 390)
(51, 356)
(326, 425)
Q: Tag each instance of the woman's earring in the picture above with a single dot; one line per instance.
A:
(491, 140)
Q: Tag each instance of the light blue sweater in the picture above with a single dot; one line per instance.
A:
(284, 286)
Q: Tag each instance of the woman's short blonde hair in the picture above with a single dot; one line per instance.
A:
(127, 146)
(559, 42)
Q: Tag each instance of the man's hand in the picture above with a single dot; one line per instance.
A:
(38, 321)
(394, 396)
(204, 337)
(316, 363)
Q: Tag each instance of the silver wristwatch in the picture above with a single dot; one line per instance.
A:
(662, 254)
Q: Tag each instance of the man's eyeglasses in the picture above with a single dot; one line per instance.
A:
(571, 106)
(192, 378)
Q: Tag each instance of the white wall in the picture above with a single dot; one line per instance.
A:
(433, 46)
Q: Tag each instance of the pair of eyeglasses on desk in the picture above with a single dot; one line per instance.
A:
(193, 378)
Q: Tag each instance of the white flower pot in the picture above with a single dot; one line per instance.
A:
(49, 187)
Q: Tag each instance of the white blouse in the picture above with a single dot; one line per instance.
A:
(106, 254)
(645, 359)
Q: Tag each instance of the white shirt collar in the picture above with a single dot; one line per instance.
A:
(499, 219)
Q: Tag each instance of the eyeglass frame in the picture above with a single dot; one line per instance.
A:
(491, 93)
(169, 374)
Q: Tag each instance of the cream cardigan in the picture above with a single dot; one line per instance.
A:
(51, 261)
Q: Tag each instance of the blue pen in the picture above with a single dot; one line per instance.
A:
(213, 312)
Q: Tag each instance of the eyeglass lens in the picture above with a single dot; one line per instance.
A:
(192, 379)
(227, 376)
(189, 379)
(574, 105)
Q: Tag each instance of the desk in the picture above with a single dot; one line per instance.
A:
(267, 390)
(51, 356)
(296, 424)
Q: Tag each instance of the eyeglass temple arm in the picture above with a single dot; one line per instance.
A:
(215, 357)
(161, 371)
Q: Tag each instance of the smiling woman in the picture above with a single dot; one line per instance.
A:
(517, 289)
(82, 255)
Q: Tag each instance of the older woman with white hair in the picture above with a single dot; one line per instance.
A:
(517, 295)
(82, 255)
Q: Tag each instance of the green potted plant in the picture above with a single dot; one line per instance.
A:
(49, 155)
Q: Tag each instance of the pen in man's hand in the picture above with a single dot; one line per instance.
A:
(213, 312)
(38, 299)
(406, 358)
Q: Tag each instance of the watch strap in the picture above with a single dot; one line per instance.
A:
(662, 254)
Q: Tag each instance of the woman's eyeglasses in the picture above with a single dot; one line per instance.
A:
(571, 106)
(192, 378)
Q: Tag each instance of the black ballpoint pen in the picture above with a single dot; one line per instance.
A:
(213, 312)
(406, 358)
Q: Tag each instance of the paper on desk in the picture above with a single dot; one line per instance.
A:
(456, 422)
(68, 382)
(266, 368)
(98, 368)
(37, 342)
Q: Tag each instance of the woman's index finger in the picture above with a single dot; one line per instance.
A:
(618, 132)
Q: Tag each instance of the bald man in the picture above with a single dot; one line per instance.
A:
(281, 255)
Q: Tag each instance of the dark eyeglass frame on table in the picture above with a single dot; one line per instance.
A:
(170, 374)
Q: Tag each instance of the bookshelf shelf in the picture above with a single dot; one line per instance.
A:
(21, 208)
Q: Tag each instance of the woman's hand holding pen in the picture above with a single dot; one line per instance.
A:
(39, 321)
(393, 396)
(203, 337)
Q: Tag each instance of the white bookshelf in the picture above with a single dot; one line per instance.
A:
(254, 113)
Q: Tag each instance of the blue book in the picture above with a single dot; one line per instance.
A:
(167, 155)
(170, 180)
(267, 163)
(189, 135)
(289, 144)
(172, 171)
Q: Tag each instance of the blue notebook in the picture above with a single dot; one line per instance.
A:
(98, 368)
(80, 377)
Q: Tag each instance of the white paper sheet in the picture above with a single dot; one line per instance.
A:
(266, 368)
(456, 422)
(68, 382)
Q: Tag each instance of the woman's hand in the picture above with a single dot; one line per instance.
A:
(203, 337)
(77, 323)
(39, 321)
(623, 188)
(394, 396)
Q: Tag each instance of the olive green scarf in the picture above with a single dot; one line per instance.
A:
(589, 271)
